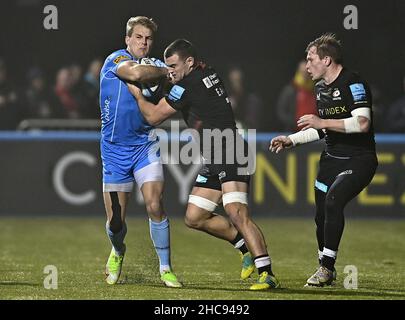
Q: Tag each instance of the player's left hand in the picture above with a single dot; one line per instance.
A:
(135, 91)
(170, 77)
(310, 121)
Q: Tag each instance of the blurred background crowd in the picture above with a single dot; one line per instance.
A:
(256, 46)
(73, 92)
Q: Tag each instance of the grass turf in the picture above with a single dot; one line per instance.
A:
(209, 268)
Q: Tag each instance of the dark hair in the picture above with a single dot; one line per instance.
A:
(182, 47)
(327, 45)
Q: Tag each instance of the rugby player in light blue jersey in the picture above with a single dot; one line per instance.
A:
(130, 150)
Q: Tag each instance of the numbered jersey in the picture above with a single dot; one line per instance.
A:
(202, 99)
(336, 101)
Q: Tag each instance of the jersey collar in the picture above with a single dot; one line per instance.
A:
(337, 78)
(130, 55)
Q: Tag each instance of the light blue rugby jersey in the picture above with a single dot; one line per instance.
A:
(121, 120)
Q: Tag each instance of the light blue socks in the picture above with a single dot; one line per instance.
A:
(160, 235)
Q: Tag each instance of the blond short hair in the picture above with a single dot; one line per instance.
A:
(144, 21)
(327, 45)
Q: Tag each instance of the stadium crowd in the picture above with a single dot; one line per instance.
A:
(73, 92)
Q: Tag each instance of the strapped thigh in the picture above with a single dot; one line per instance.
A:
(235, 196)
(202, 203)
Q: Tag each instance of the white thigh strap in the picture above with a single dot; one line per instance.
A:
(230, 197)
(202, 203)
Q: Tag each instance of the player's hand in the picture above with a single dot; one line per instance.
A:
(170, 77)
(135, 91)
(310, 121)
(279, 143)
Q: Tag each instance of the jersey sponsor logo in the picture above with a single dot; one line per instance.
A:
(321, 186)
(332, 111)
(214, 78)
(201, 179)
(336, 94)
(120, 58)
(176, 93)
(222, 175)
(107, 108)
(207, 81)
(358, 92)
(211, 80)
(219, 91)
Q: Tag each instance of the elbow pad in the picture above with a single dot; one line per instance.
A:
(352, 124)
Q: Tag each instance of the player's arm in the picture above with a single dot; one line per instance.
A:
(154, 114)
(359, 122)
(359, 103)
(132, 71)
(279, 143)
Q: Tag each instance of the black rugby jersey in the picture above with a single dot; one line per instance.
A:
(203, 100)
(336, 101)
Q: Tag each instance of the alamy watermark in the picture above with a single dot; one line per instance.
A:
(51, 280)
(51, 19)
(351, 20)
(351, 280)
(207, 146)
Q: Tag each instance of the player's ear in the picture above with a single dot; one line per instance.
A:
(190, 61)
(328, 61)
(127, 40)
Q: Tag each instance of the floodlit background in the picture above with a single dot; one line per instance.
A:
(51, 209)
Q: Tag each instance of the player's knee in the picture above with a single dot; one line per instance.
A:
(331, 202)
(115, 224)
(238, 213)
(333, 208)
(235, 204)
(116, 221)
(319, 216)
(193, 221)
(199, 212)
(153, 207)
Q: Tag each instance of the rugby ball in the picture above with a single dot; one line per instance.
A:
(149, 89)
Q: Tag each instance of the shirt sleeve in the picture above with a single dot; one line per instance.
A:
(113, 61)
(360, 95)
(321, 133)
(117, 60)
(177, 97)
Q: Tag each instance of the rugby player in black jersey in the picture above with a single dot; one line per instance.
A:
(199, 94)
(349, 161)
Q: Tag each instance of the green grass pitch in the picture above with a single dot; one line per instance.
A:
(209, 268)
